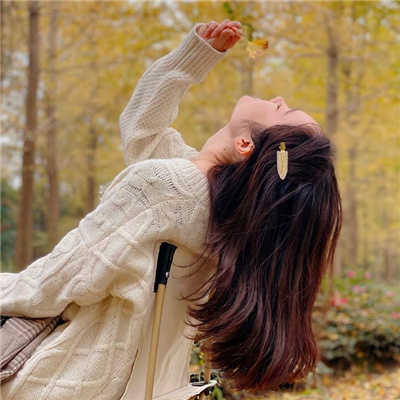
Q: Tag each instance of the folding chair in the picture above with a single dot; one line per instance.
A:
(164, 263)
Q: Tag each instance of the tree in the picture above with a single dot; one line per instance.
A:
(335, 60)
(52, 167)
(332, 101)
(23, 244)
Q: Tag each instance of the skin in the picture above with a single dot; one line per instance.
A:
(233, 142)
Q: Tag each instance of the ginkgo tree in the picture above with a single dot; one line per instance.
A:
(338, 61)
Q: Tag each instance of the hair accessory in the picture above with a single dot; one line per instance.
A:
(282, 161)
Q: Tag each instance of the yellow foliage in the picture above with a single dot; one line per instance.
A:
(104, 47)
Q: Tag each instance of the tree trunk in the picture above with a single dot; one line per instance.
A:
(332, 110)
(388, 272)
(2, 42)
(332, 84)
(91, 167)
(248, 77)
(92, 137)
(352, 74)
(52, 170)
(23, 245)
(351, 218)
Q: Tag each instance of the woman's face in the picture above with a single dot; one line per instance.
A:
(233, 141)
(268, 113)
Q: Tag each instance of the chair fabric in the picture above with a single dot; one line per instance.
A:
(19, 337)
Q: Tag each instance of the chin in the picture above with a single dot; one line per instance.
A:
(245, 99)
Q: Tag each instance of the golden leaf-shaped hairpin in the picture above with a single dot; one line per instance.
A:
(282, 161)
(257, 48)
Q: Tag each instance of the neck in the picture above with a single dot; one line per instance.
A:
(217, 150)
(205, 161)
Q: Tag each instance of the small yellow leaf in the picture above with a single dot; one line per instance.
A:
(257, 48)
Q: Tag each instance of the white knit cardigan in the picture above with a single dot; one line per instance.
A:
(100, 276)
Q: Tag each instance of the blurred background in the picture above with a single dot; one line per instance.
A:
(68, 68)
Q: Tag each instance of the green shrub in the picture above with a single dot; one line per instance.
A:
(362, 324)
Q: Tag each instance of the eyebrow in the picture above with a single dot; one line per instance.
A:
(293, 109)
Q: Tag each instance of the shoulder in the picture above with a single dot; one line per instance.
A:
(163, 178)
(178, 176)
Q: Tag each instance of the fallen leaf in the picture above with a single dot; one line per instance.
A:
(257, 48)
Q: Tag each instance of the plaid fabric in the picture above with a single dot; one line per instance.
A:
(187, 392)
(19, 337)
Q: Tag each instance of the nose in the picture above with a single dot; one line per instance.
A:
(279, 100)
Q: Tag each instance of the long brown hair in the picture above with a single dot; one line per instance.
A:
(273, 240)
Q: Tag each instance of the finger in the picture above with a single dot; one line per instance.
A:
(220, 28)
(237, 31)
(234, 24)
(225, 40)
(210, 29)
(226, 34)
(202, 30)
(211, 26)
(236, 38)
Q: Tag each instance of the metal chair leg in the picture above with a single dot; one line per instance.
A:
(155, 335)
(164, 263)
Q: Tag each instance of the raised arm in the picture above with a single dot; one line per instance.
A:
(145, 122)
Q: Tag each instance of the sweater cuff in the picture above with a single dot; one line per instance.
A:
(196, 57)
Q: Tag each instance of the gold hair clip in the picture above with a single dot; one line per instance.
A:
(282, 161)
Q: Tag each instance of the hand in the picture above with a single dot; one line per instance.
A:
(221, 36)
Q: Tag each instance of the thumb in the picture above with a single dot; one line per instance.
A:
(201, 30)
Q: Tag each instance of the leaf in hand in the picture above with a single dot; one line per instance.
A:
(257, 48)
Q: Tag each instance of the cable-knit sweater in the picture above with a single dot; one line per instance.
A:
(100, 276)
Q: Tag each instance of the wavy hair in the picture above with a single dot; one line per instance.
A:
(273, 240)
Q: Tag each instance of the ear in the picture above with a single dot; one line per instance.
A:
(243, 145)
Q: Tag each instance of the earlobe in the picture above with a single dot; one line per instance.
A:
(243, 147)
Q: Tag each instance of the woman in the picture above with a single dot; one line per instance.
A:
(267, 243)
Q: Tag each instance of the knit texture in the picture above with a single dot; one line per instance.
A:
(100, 276)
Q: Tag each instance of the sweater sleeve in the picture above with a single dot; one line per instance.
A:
(110, 253)
(145, 122)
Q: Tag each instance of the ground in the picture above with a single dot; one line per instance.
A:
(350, 386)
